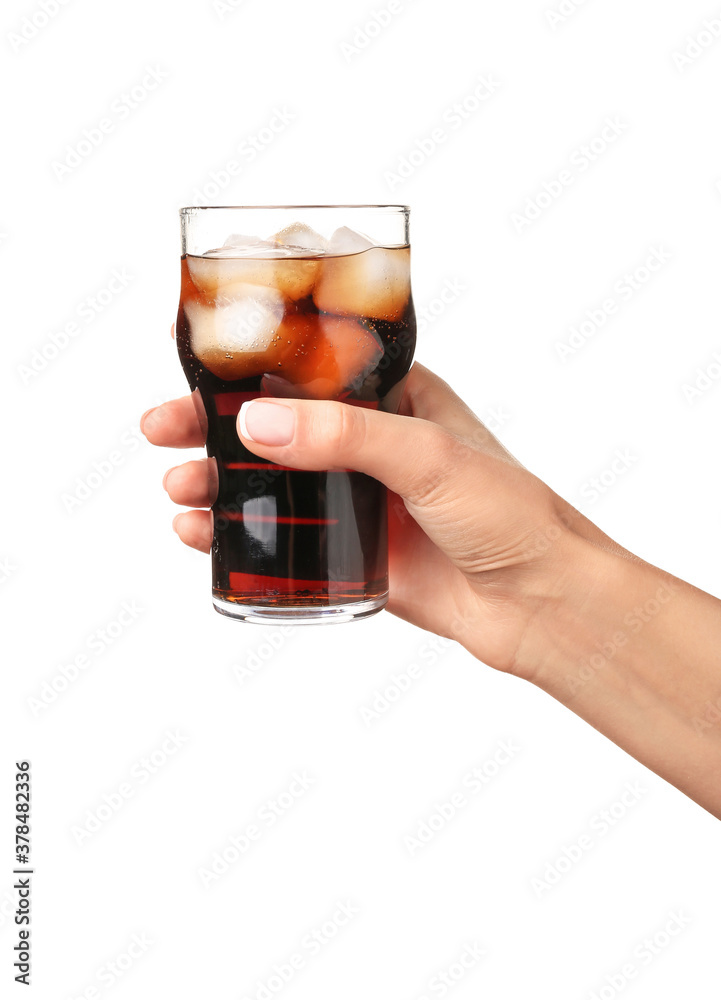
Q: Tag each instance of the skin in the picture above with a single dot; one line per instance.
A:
(483, 552)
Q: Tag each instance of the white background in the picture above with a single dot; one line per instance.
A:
(179, 666)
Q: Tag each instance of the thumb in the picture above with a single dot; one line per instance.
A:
(414, 458)
(479, 508)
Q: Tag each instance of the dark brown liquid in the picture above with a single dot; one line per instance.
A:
(285, 538)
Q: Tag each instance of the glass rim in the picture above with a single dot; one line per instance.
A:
(188, 209)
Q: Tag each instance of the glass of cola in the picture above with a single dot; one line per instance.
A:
(306, 302)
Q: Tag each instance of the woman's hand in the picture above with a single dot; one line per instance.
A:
(483, 552)
(478, 545)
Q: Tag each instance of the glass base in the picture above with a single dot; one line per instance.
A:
(314, 615)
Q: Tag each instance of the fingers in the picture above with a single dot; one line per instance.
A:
(176, 425)
(194, 484)
(173, 425)
(427, 396)
(195, 529)
(473, 506)
(411, 456)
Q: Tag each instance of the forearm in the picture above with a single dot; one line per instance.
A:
(637, 654)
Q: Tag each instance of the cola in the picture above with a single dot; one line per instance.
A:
(305, 316)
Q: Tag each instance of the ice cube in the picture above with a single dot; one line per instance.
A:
(296, 277)
(240, 242)
(240, 339)
(374, 282)
(302, 238)
(285, 267)
(345, 241)
(322, 357)
(244, 246)
(221, 278)
(355, 350)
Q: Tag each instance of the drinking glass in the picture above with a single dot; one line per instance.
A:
(310, 302)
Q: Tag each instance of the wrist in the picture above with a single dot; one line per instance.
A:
(554, 609)
(605, 607)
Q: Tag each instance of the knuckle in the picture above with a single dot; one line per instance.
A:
(346, 430)
(444, 454)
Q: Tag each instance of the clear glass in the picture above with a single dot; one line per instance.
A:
(304, 302)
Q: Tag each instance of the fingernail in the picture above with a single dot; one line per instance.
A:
(165, 477)
(175, 522)
(266, 423)
(145, 417)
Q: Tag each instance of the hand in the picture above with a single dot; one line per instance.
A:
(483, 552)
(478, 545)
